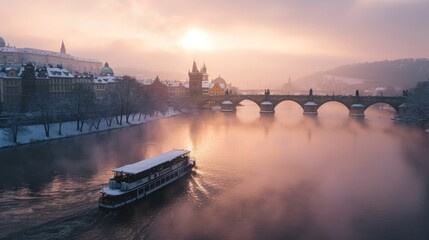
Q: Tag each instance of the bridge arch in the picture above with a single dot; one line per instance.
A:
(383, 102)
(288, 100)
(237, 102)
(334, 100)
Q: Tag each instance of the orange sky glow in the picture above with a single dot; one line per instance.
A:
(249, 43)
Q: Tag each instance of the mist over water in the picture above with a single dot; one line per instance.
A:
(281, 176)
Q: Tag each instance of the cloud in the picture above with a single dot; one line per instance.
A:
(146, 31)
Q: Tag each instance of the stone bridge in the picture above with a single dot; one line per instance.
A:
(309, 103)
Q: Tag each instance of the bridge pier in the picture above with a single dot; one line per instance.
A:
(227, 106)
(267, 107)
(310, 108)
(402, 110)
(357, 110)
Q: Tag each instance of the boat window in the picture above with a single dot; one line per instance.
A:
(168, 178)
(152, 185)
(157, 183)
(162, 180)
(146, 188)
(141, 191)
(176, 174)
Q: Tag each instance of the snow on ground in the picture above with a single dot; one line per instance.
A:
(37, 132)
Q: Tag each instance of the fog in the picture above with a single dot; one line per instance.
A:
(281, 176)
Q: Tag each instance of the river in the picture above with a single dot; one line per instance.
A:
(281, 176)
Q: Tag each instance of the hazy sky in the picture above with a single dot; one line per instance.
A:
(249, 43)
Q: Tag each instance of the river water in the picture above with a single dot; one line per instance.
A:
(281, 176)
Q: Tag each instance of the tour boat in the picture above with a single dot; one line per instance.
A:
(135, 181)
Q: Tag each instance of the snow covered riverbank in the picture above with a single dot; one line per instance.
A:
(36, 133)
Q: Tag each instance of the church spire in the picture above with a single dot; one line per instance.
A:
(204, 68)
(194, 68)
(63, 48)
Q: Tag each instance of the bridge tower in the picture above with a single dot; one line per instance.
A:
(195, 81)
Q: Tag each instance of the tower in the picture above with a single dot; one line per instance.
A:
(195, 81)
(204, 72)
(63, 48)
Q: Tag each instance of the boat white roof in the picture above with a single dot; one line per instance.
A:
(151, 162)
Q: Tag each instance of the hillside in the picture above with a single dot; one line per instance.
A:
(393, 76)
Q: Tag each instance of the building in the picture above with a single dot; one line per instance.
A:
(13, 55)
(216, 90)
(34, 80)
(19, 83)
(176, 88)
(10, 87)
(205, 85)
(102, 84)
(106, 70)
(61, 81)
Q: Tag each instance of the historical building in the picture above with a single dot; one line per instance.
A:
(106, 70)
(205, 85)
(10, 87)
(176, 88)
(19, 83)
(101, 85)
(216, 90)
(195, 81)
(34, 80)
(61, 81)
(13, 55)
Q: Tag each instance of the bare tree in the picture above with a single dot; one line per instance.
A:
(83, 100)
(127, 90)
(62, 111)
(158, 97)
(14, 124)
(44, 105)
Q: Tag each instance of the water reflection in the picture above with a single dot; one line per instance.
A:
(281, 176)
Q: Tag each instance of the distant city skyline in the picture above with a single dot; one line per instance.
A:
(249, 43)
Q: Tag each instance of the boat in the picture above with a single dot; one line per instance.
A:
(135, 181)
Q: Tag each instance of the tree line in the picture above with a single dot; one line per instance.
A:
(418, 105)
(126, 100)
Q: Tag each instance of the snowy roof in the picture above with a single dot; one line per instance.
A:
(173, 83)
(266, 103)
(357, 105)
(310, 104)
(104, 79)
(227, 102)
(147, 81)
(151, 162)
(59, 72)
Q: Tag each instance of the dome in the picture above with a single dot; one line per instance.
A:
(2, 42)
(106, 70)
(219, 80)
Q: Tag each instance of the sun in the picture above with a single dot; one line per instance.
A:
(195, 39)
